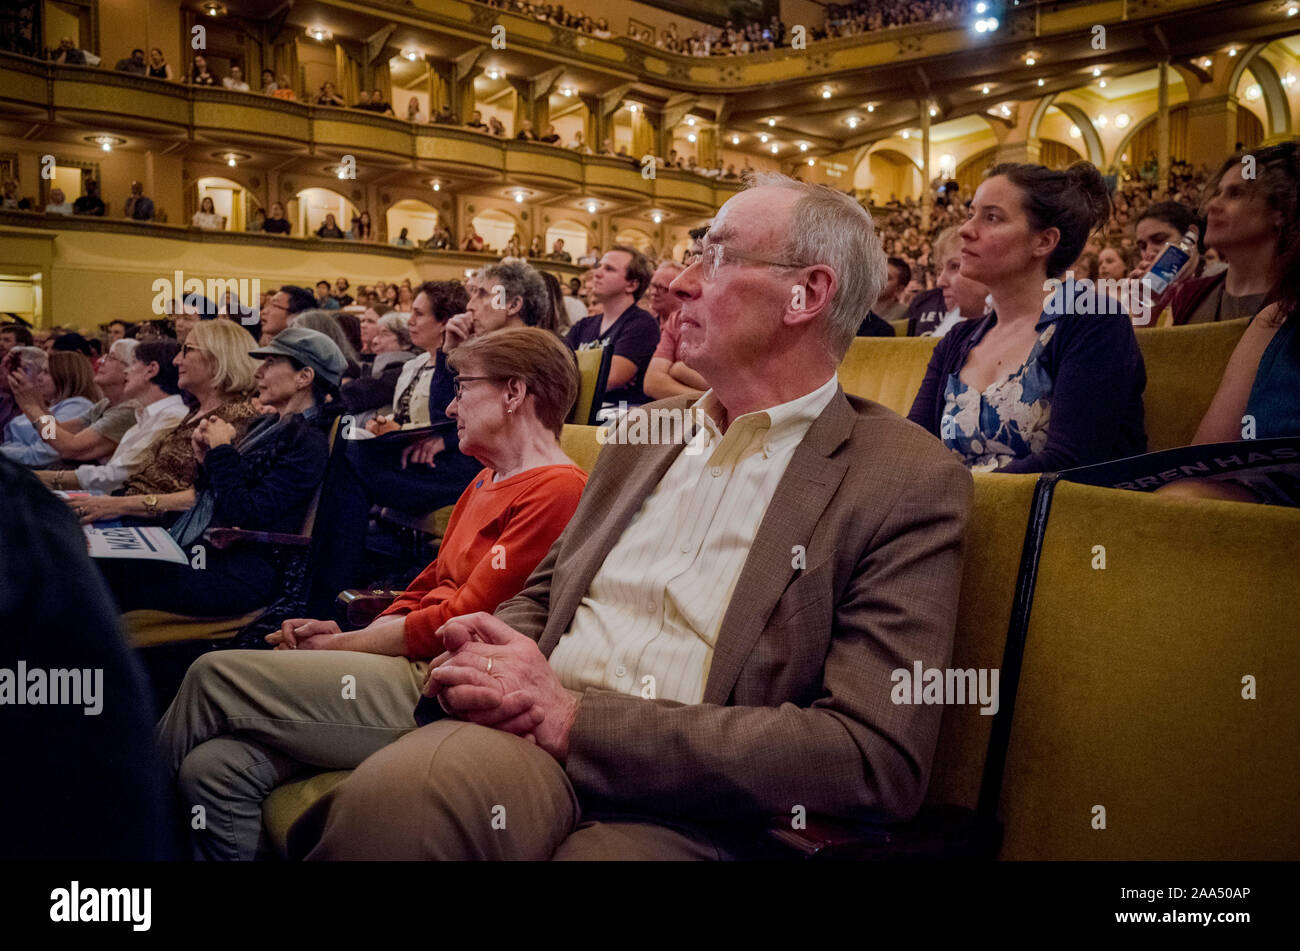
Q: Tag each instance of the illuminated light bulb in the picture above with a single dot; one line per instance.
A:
(231, 161)
(1101, 84)
(632, 107)
(1233, 51)
(1041, 81)
(812, 161)
(853, 122)
(933, 111)
(437, 186)
(985, 90)
(735, 140)
(1102, 122)
(826, 92)
(771, 123)
(907, 134)
(106, 145)
(1253, 91)
(519, 198)
(803, 146)
(691, 137)
(980, 7)
(775, 148)
(1006, 111)
(690, 120)
(1030, 60)
(1122, 120)
(657, 218)
(871, 107)
(763, 137)
(1096, 71)
(591, 207)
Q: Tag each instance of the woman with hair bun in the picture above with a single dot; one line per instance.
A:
(1027, 388)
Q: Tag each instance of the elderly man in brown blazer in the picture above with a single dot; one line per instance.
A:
(710, 642)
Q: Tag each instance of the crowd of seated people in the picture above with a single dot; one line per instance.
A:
(468, 394)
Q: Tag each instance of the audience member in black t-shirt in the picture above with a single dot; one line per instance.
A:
(276, 222)
(617, 282)
(874, 326)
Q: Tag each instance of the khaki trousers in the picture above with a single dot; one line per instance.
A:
(246, 721)
(457, 791)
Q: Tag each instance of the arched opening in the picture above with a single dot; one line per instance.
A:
(419, 218)
(888, 172)
(971, 172)
(409, 80)
(231, 200)
(574, 235)
(496, 227)
(568, 114)
(635, 238)
(495, 99)
(1056, 154)
(315, 203)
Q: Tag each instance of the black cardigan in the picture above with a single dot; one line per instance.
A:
(268, 486)
(1097, 381)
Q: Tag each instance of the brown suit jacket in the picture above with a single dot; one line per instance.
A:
(796, 708)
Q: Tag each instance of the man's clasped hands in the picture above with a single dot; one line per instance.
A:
(489, 674)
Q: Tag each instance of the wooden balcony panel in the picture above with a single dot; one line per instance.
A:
(686, 191)
(615, 178)
(247, 120)
(543, 166)
(23, 85)
(138, 104)
(446, 147)
(346, 132)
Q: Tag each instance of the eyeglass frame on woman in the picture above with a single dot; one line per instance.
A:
(709, 269)
(459, 380)
(188, 348)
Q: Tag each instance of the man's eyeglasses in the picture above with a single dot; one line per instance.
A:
(462, 380)
(715, 255)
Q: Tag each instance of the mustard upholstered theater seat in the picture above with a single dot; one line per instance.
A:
(1131, 692)
(593, 371)
(900, 327)
(1184, 367)
(887, 370)
(988, 588)
(150, 628)
(579, 444)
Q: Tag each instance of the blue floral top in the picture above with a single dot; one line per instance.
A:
(1007, 421)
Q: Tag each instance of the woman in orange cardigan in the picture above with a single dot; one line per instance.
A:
(246, 721)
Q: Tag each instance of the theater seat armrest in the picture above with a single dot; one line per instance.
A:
(937, 832)
(824, 837)
(364, 605)
(225, 537)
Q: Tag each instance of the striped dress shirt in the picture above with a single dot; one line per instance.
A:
(648, 622)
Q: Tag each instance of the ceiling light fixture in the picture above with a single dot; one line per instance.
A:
(319, 33)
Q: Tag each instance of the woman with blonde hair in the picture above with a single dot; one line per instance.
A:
(216, 376)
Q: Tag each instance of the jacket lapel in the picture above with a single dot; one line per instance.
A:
(806, 488)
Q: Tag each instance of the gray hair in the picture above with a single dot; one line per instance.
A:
(124, 350)
(32, 357)
(520, 279)
(831, 228)
(325, 321)
(398, 324)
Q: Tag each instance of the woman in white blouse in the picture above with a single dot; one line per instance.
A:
(206, 217)
(152, 384)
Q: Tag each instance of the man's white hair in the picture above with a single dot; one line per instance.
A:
(831, 228)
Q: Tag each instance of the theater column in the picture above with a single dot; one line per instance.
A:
(1211, 130)
(1162, 132)
(927, 199)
